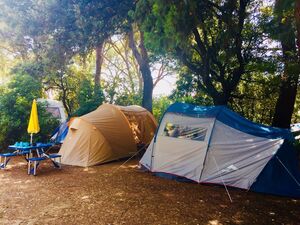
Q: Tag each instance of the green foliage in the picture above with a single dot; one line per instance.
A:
(67, 27)
(89, 98)
(128, 99)
(121, 80)
(187, 90)
(213, 39)
(297, 147)
(160, 105)
(222, 48)
(255, 97)
(15, 107)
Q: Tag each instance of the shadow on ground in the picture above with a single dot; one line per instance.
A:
(110, 194)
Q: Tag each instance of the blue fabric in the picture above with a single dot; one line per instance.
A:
(230, 118)
(275, 179)
(174, 177)
(43, 145)
(54, 156)
(60, 133)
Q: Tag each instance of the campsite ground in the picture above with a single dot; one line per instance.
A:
(108, 195)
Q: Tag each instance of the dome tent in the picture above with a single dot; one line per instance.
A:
(110, 132)
(215, 145)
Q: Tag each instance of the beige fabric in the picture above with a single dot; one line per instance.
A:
(84, 145)
(108, 133)
(142, 123)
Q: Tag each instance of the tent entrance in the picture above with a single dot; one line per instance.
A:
(181, 145)
(141, 126)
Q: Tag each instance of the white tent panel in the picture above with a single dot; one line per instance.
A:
(236, 157)
(146, 159)
(177, 156)
(181, 155)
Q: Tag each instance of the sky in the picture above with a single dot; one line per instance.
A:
(165, 86)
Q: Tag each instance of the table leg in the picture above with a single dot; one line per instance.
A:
(29, 167)
(34, 169)
(1, 164)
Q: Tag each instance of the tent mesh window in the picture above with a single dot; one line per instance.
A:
(135, 126)
(185, 132)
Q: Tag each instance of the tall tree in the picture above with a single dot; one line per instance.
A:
(208, 37)
(141, 55)
(99, 61)
(285, 19)
(297, 17)
(82, 26)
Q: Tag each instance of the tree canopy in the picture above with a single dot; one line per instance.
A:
(239, 53)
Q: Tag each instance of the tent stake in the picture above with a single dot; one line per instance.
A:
(223, 181)
(288, 171)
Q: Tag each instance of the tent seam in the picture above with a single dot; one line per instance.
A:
(156, 133)
(208, 144)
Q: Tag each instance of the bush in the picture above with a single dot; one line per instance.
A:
(15, 106)
(89, 98)
(160, 105)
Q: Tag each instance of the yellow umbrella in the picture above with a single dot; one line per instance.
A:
(33, 126)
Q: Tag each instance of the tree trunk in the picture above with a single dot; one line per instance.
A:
(64, 97)
(99, 61)
(143, 61)
(147, 88)
(221, 99)
(285, 104)
(289, 79)
(297, 17)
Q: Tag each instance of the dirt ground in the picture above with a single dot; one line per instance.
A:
(111, 195)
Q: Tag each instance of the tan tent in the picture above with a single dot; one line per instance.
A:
(108, 133)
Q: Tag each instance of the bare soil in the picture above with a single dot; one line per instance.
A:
(109, 194)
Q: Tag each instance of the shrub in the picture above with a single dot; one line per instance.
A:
(15, 107)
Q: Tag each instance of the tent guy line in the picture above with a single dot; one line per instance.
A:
(223, 181)
(288, 171)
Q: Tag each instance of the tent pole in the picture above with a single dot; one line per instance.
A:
(223, 181)
(288, 171)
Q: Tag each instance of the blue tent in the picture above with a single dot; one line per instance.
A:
(212, 144)
(60, 133)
